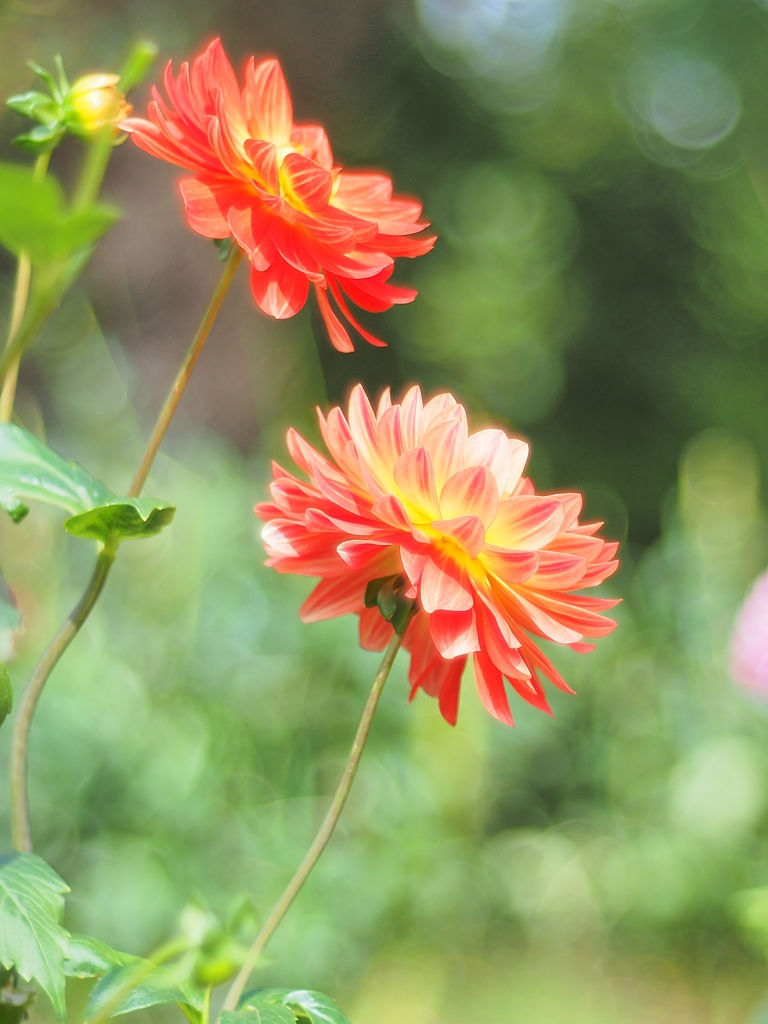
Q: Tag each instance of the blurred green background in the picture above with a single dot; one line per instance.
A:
(597, 171)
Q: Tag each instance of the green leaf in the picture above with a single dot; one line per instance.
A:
(304, 1004)
(158, 985)
(266, 1014)
(30, 470)
(34, 216)
(91, 958)
(32, 939)
(6, 693)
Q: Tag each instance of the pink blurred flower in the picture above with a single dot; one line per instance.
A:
(749, 644)
(411, 494)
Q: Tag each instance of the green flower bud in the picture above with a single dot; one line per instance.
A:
(93, 102)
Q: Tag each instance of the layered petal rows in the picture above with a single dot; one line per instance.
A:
(272, 186)
(491, 565)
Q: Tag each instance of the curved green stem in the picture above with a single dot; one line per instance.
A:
(18, 308)
(20, 825)
(20, 822)
(326, 829)
(182, 378)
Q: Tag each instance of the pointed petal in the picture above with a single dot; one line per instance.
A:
(490, 686)
(268, 102)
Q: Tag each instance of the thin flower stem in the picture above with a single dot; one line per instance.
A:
(20, 819)
(20, 824)
(182, 379)
(326, 829)
(18, 308)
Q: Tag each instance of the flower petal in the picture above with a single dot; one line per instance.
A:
(331, 598)
(414, 475)
(471, 491)
(526, 521)
(267, 102)
(490, 686)
(445, 586)
(280, 291)
(454, 633)
(466, 531)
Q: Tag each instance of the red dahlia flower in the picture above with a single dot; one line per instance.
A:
(272, 186)
(490, 564)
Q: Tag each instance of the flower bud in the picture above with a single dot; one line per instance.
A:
(93, 102)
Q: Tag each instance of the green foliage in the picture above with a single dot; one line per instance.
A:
(305, 1006)
(91, 958)
(34, 216)
(144, 984)
(30, 470)
(32, 939)
(267, 1014)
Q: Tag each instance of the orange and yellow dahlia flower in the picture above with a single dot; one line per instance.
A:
(490, 564)
(272, 186)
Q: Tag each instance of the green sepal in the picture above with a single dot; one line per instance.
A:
(306, 1006)
(387, 593)
(160, 985)
(47, 77)
(30, 470)
(42, 139)
(35, 105)
(225, 247)
(372, 591)
(6, 693)
(32, 939)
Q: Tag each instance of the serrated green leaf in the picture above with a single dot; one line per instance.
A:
(91, 958)
(30, 470)
(314, 1007)
(266, 1014)
(32, 939)
(34, 215)
(159, 985)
